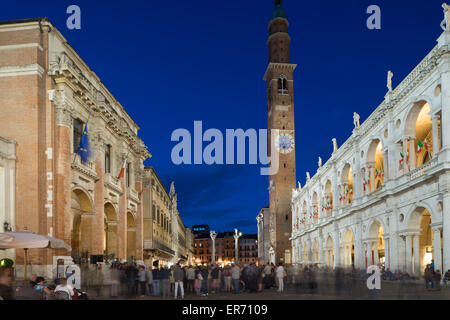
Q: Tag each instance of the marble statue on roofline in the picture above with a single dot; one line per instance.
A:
(445, 24)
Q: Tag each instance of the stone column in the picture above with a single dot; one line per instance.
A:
(335, 190)
(63, 118)
(408, 251)
(375, 253)
(337, 255)
(139, 219)
(320, 251)
(445, 120)
(393, 252)
(358, 258)
(122, 221)
(412, 153)
(446, 231)
(401, 244)
(387, 252)
(437, 254)
(99, 196)
(367, 250)
(393, 155)
(405, 153)
(357, 178)
(416, 263)
(386, 164)
(435, 133)
(371, 169)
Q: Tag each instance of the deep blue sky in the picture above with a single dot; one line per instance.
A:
(172, 62)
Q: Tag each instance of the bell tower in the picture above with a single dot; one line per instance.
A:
(280, 117)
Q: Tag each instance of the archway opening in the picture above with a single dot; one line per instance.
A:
(349, 250)
(375, 157)
(328, 201)
(376, 245)
(81, 237)
(131, 236)
(346, 196)
(421, 220)
(424, 136)
(110, 242)
(315, 207)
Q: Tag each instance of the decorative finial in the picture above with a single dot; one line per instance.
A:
(278, 3)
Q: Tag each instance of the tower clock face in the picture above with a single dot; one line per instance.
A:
(285, 143)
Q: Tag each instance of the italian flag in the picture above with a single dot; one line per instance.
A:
(419, 146)
(400, 162)
(122, 170)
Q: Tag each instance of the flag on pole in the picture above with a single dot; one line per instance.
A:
(419, 146)
(122, 170)
(84, 150)
(425, 144)
(400, 162)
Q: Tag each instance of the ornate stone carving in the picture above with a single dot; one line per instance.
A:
(63, 109)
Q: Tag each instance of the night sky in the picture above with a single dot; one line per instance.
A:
(170, 63)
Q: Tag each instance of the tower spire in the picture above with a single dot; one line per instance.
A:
(278, 3)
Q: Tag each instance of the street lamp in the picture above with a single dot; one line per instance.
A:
(213, 236)
(237, 235)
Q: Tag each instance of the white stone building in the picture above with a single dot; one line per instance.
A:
(367, 204)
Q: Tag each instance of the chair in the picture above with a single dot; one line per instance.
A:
(61, 295)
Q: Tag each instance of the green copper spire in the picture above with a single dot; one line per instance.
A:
(278, 11)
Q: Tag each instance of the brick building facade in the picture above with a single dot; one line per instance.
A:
(48, 97)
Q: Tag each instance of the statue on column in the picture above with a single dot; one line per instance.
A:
(445, 24)
(356, 118)
(335, 147)
(308, 177)
(320, 162)
(172, 189)
(389, 80)
(299, 186)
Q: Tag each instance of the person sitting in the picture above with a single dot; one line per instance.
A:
(447, 277)
(64, 287)
(6, 291)
(42, 288)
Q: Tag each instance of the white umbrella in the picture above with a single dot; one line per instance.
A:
(28, 240)
(5, 237)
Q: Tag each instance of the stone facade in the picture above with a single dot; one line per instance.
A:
(382, 198)
(165, 239)
(49, 95)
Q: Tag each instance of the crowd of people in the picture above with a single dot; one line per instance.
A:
(131, 280)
